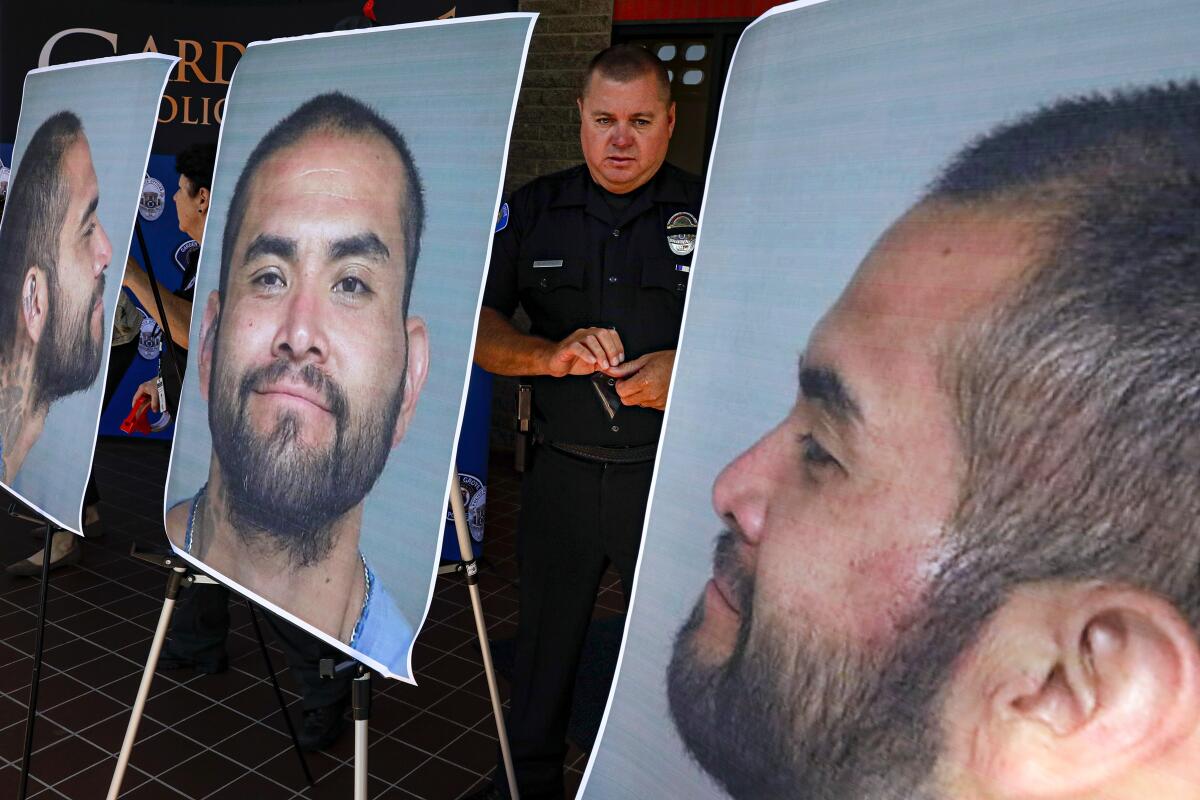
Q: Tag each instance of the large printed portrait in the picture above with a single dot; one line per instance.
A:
(335, 306)
(939, 538)
(82, 142)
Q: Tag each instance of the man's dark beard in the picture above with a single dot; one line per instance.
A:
(68, 358)
(806, 718)
(281, 490)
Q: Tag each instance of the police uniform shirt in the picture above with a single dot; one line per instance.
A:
(572, 261)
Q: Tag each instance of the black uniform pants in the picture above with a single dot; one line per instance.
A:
(200, 626)
(576, 517)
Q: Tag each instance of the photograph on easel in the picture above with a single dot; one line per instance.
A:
(353, 202)
(924, 521)
(83, 140)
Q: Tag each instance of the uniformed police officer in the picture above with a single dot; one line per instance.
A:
(599, 257)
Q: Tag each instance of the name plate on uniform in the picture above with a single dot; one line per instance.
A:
(549, 264)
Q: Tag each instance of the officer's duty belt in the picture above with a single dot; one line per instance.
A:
(638, 454)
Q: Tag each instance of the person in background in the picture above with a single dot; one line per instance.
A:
(598, 256)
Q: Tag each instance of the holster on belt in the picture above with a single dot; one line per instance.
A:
(524, 412)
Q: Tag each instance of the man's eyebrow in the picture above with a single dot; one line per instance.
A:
(823, 385)
(647, 114)
(91, 209)
(266, 244)
(362, 245)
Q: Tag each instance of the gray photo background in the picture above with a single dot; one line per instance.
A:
(117, 101)
(836, 116)
(449, 89)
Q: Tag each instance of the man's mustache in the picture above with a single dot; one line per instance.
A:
(727, 564)
(98, 292)
(310, 375)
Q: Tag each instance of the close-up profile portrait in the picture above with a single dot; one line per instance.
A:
(971, 543)
(70, 204)
(54, 253)
(961, 560)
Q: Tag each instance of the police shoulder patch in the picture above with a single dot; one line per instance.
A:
(182, 252)
(502, 218)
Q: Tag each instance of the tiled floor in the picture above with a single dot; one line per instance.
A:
(221, 736)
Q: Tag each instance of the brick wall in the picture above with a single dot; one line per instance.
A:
(546, 129)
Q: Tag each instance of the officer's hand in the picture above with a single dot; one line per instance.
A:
(150, 390)
(585, 351)
(644, 381)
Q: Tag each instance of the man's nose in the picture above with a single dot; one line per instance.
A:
(301, 335)
(742, 491)
(622, 135)
(103, 250)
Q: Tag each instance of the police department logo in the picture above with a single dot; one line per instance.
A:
(153, 200)
(681, 233)
(502, 218)
(149, 337)
(474, 495)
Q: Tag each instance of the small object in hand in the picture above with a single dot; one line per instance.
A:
(606, 391)
(136, 422)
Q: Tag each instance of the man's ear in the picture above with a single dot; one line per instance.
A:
(1073, 688)
(671, 119)
(414, 378)
(35, 298)
(202, 198)
(209, 325)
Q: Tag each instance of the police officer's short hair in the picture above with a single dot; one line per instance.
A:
(36, 211)
(196, 162)
(628, 62)
(338, 113)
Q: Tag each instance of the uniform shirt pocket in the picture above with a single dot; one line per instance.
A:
(666, 272)
(552, 294)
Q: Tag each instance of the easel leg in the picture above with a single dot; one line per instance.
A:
(174, 581)
(360, 700)
(287, 720)
(37, 664)
(472, 573)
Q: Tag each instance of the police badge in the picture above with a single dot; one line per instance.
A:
(150, 206)
(681, 233)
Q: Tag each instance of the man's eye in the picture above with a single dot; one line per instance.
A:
(641, 123)
(351, 285)
(91, 228)
(269, 280)
(813, 453)
(603, 121)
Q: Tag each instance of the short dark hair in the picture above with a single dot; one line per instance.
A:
(1078, 398)
(335, 112)
(628, 62)
(36, 209)
(196, 162)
